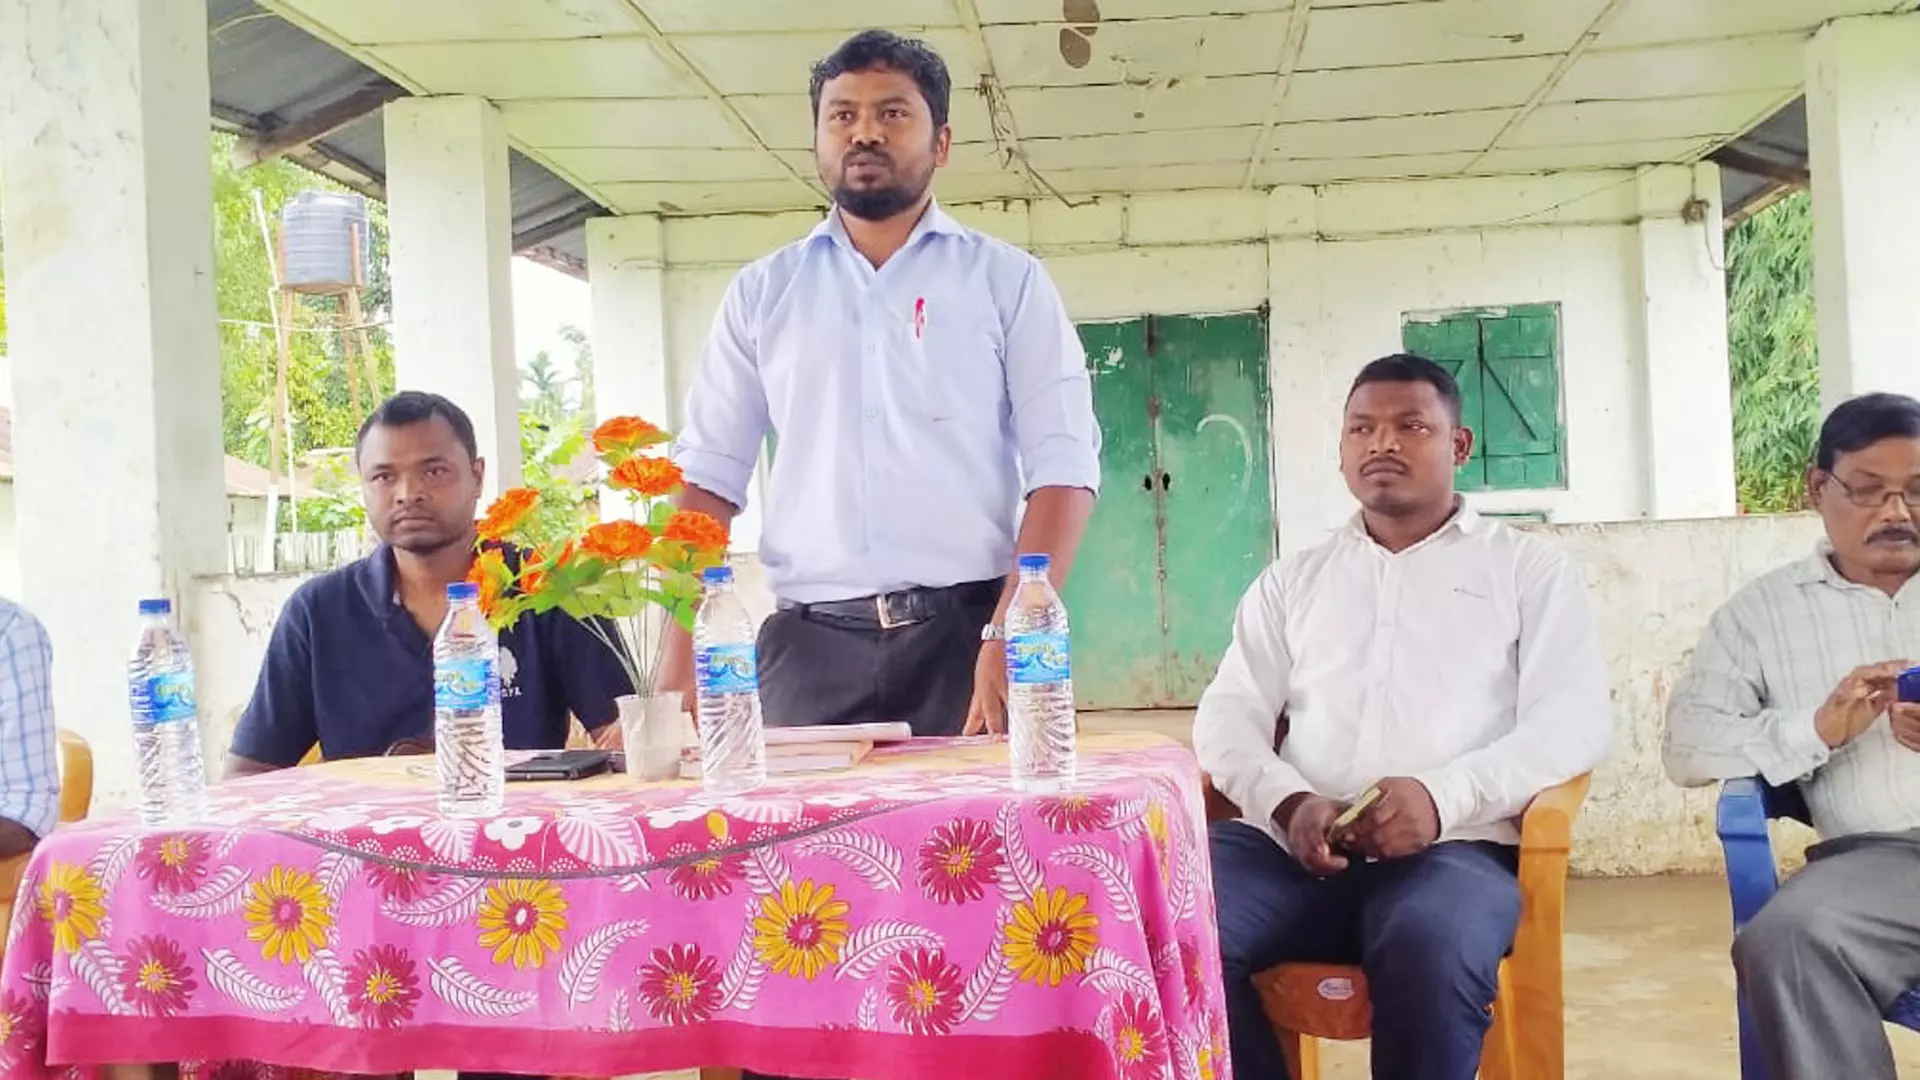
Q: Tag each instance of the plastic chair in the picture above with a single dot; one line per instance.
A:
(1309, 1002)
(1753, 876)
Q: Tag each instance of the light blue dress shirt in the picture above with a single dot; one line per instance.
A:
(913, 407)
(29, 773)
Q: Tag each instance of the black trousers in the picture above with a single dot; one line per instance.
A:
(836, 664)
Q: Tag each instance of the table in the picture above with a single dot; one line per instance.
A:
(885, 922)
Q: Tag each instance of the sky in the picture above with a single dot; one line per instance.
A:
(544, 300)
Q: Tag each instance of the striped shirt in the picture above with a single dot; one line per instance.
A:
(29, 773)
(1767, 662)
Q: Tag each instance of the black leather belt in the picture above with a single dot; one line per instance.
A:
(891, 611)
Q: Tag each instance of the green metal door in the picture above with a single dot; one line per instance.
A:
(1185, 518)
(1113, 593)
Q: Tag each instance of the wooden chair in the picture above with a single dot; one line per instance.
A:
(1308, 1002)
(76, 798)
(76, 776)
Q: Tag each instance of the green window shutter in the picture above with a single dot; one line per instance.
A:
(1520, 424)
(1454, 343)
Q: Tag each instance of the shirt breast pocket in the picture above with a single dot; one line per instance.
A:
(955, 366)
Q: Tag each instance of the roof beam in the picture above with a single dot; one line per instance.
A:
(1754, 165)
(671, 53)
(1291, 46)
(317, 124)
(1547, 86)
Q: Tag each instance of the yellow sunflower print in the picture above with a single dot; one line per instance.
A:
(74, 903)
(521, 921)
(800, 931)
(289, 915)
(1051, 936)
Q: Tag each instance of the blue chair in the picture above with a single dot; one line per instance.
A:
(1753, 876)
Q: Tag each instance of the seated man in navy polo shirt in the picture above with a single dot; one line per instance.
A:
(350, 665)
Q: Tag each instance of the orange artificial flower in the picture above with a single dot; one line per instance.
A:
(617, 541)
(490, 573)
(697, 530)
(507, 512)
(645, 476)
(625, 434)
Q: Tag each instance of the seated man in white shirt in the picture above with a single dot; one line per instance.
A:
(1443, 657)
(1795, 680)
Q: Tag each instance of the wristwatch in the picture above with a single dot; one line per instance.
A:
(993, 632)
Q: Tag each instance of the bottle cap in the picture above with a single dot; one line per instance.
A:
(1035, 562)
(463, 590)
(717, 575)
(160, 606)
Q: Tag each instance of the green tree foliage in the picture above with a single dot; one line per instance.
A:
(1774, 354)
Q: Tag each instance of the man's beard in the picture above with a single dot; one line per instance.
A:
(880, 203)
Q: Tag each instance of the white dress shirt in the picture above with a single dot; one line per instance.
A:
(913, 406)
(1468, 661)
(1768, 660)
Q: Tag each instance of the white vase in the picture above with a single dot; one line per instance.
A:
(652, 731)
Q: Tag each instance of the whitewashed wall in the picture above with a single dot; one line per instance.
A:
(1654, 585)
(1339, 267)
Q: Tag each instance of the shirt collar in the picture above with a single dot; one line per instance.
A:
(380, 580)
(933, 221)
(1818, 569)
(1465, 521)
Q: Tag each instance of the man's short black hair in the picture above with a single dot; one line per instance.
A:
(871, 50)
(409, 407)
(1410, 367)
(1860, 422)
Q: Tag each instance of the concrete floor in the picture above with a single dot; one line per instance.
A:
(1649, 986)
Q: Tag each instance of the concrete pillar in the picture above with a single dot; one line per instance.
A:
(1683, 305)
(626, 270)
(1305, 373)
(114, 353)
(1863, 130)
(450, 211)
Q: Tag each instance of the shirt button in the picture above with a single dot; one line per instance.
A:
(873, 414)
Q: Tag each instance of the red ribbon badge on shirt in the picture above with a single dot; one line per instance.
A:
(919, 316)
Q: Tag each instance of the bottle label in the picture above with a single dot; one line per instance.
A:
(464, 684)
(165, 698)
(1038, 659)
(727, 669)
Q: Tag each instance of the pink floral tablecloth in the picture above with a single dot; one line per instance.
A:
(896, 921)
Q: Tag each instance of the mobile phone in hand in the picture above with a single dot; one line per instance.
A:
(1907, 686)
(1352, 813)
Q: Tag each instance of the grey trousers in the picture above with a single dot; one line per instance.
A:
(1830, 953)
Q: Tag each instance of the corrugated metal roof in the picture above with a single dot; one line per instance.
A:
(268, 74)
(1765, 163)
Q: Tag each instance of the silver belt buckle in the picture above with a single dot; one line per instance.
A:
(884, 611)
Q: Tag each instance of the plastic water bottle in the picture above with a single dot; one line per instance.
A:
(733, 745)
(469, 755)
(166, 728)
(1040, 718)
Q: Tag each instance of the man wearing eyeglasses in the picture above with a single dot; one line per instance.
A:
(1795, 681)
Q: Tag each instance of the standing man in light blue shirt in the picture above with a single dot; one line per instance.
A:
(29, 771)
(921, 380)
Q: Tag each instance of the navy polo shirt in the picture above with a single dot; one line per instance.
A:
(350, 669)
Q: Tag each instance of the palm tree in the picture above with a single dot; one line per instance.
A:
(546, 389)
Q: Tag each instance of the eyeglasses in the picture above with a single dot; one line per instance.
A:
(1873, 498)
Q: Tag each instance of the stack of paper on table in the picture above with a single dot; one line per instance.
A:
(817, 748)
